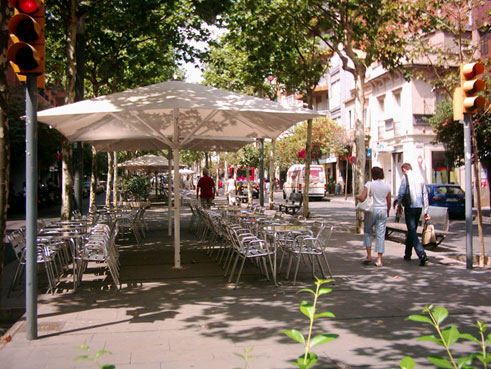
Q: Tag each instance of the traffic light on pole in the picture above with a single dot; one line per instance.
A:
(26, 27)
(471, 85)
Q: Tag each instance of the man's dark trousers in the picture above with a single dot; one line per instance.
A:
(412, 216)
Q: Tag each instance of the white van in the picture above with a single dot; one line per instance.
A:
(295, 181)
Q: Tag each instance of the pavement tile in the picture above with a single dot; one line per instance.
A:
(192, 318)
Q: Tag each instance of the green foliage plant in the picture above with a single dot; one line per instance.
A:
(94, 358)
(308, 358)
(136, 187)
(245, 357)
(446, 337)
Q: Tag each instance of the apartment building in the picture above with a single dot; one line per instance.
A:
(396, 128)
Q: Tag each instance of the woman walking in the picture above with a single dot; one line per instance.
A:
(376, 219)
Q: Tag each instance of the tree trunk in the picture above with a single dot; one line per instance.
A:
(115, 180)
(109, 179)
(249, 186)
(93, 181)
(272, 174)
(70, 52)
(5, 12)
(66, 151)
(477, 184)
(308, 159)
(359, 167)
(78, 151)
(67, 180)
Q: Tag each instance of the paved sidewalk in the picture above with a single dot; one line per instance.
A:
(171, 318)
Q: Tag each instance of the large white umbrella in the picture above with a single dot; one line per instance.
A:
(146, 162)
(176, 115)
(186, 171)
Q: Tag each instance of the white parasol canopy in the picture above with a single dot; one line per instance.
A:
(175, 115)
(146, 162)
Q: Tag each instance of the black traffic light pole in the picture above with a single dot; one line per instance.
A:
(31, 206)
(468, 189)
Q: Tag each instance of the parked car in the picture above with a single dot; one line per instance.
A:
(85, 189)
(451, 196)
(101, 186)
(242, 189)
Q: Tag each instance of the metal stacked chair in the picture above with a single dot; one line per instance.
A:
(313, 248)
(45, 255)
(127, 219)
(248, 246)
(100, 247)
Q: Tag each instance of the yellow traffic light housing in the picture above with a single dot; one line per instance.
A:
(471, 85)
(26, 53)
(458, 104)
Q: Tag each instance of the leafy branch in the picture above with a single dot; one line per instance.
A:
(95, 358)
(308, 359)
(447, 337)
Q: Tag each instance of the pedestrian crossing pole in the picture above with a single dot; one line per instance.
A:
(466, 102)
(31, 206)
(468, 189)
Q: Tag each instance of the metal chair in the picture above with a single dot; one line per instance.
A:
(313, 248)
(45, 254)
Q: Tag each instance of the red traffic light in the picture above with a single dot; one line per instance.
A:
(25, 28)
(471, 85)
(25, 6)
(25, 56)
(471, 70)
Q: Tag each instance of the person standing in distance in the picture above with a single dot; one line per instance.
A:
(377, 218)
(231, 191)
(205, 189)
(412, 213)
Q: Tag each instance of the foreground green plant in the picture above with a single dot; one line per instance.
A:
(446, 338)
(308, 359)
(245, 357)
(95, 358)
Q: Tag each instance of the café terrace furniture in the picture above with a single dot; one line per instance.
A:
(100, 247)
(241, 234)
(45, 255)
(312, 248)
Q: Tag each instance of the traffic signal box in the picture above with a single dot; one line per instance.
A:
(26, 52)
(466, 100)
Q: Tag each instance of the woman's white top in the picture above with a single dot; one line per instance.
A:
(231, 185)
(379, 190)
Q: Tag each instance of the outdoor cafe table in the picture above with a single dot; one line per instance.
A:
(72, 236)
(277, 230)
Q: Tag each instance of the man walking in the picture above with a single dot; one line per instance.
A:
(412, 213)
(205, 189)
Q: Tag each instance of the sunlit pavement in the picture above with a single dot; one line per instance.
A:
(192, 318)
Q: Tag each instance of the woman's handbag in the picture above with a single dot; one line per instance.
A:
(428, 236)
(368, 203)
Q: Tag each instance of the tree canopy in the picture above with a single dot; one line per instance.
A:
(128, 43)
(325, 132)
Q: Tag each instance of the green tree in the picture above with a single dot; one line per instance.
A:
(325, 132)
(248, 156)
(189, 157)
(272, 42)
(361, 33)
(127, 44)
(443, 59)
(5, 13)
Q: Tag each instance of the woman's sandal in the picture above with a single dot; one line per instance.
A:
(367, 261)
(379, 264)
